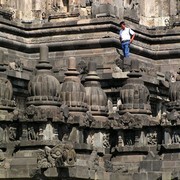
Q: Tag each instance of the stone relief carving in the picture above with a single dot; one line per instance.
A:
(120, 142)
(131, 4)
(127, 121)
(129, 141)
(64, 154)
(90, 138)
(170, 77)
(40, 134)
(152, 138)
(175, 138)
(146, 69)
(173, 117)
(110, 106)
(93, 162)
(12, 133)
(65, 137)
(164, 119)
(16, 66)
(58, 156)
(82, 67)
(34, 113)
(31, 134)
(8, 133)
(43, 132)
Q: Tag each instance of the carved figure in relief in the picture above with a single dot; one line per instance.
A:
(110, 106)
(175, 138)
(31, 134)
(40, 134)
(152, 138)
(12, 134)
(129, 142)
(164, 119)
(120, 141)
(65, 137)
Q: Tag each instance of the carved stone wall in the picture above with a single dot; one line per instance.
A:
(116, 118)
(158, 13)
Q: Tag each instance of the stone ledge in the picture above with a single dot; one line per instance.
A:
(133, 148)
(170, 147)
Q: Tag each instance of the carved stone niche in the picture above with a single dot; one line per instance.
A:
(175, 136)
(64, 132)
(39, 132)
(98, 139)
(174, 95)
(173, 107)
(44, 89)
(167, 136)
(71, 134)
(129, 137)
(29, 132)
(120, 140)
(8, 133)
(152, 136)
(171, 136)
(63, 8)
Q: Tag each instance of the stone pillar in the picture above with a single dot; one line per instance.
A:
(98, 140)
(167, 136)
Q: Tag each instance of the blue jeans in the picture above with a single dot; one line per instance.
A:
(125, 48)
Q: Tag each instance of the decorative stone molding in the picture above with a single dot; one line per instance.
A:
(95, 96)
(44, 89)
(134, 94)
(73, 95)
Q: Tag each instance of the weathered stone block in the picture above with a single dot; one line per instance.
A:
(168, 164)
(140, 176)
(166, 175)
(156, 165)
(146, 165)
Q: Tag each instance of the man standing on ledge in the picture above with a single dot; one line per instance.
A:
(126, 37)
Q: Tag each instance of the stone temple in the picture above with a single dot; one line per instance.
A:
(72, 108)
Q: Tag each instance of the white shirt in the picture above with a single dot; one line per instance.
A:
(126, 34)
